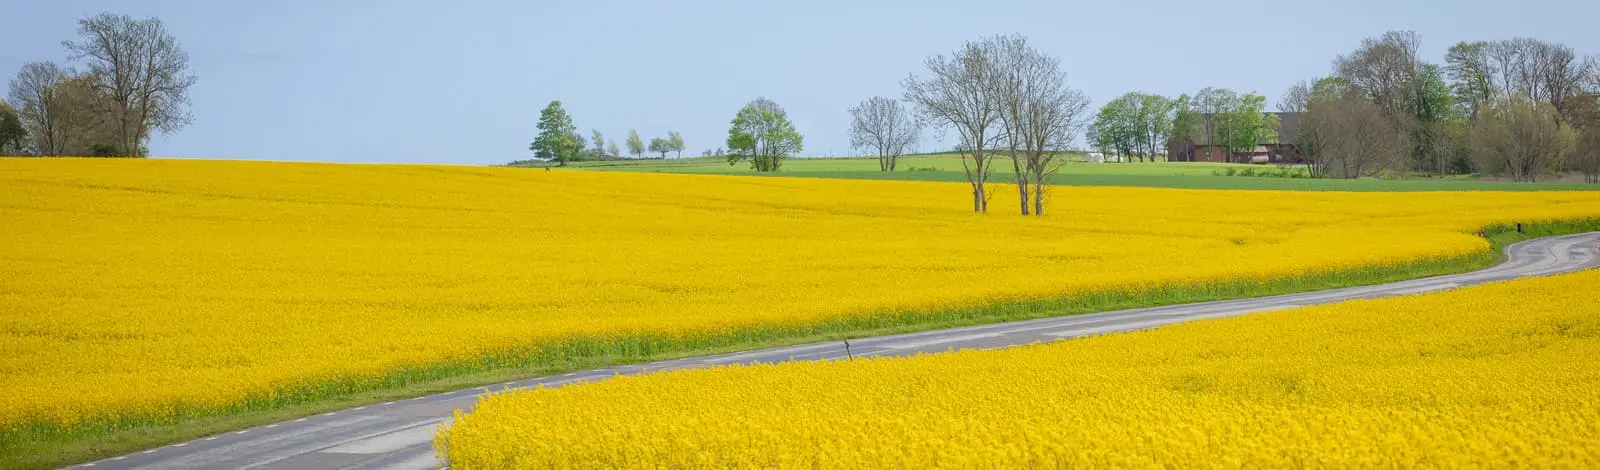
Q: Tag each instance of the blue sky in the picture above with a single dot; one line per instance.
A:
(463, 81)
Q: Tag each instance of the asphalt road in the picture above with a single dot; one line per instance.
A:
(399, 434)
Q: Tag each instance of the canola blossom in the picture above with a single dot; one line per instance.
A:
(156, 289)
(1495, 375)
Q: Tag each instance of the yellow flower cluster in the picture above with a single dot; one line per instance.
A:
(1496, 375)
(140, 288)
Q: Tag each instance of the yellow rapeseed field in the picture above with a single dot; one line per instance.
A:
(1496, 375)
(151, 288)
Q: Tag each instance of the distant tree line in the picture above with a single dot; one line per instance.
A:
(136, 82)
(559, 141)
(1141, 126)
(1519, 108)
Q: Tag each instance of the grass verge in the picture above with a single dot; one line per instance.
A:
(45, 445)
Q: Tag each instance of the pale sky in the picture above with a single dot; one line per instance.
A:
(463, 81)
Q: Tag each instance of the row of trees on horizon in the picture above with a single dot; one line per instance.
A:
(559, 141)
(1520, 108)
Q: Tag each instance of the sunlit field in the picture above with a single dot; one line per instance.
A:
(1502, 374)
(146, 290)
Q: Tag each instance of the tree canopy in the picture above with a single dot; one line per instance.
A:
(761, 133)
(558, 139)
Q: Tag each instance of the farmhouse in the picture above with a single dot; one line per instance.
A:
(1283, 148)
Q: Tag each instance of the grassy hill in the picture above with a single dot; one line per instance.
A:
(948, 167)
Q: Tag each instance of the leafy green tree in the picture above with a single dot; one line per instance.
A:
(1212, 103)
(635, 144)
(1244, 124)
(1185, 126)
(1155, 119)
(599, 142)
(762, 133)
(12, 134)
(1434, 110)
(1330, 89)
(1116, 129)
(1471, 70)
(558, 139)
(676, 141)
(611, 149)
(661, 146)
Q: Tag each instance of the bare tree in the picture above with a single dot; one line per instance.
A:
(882, 125)
(1519, 137)
(956, 93)
(34, 92)
(142, 69)
(1386, 68)
(1561, 76)
(1296, 99)
(1015, 63)
(1039, 113)
(1353, 137)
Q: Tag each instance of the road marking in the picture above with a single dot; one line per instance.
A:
(1424, 289)
(212, 438)
(944, 340)
(180, 444)
(120, 457)
(242, 431)
(358, 408)
(299, 420)
(388, 403)
(151, 451)
(420, 433)
(273, 425)
(1108, 328)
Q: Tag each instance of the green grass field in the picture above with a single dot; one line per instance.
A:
(947, 167)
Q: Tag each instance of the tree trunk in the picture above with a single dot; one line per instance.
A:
(1022, 181)
(1038, 195)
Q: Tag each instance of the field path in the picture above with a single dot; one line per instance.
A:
(399, 434)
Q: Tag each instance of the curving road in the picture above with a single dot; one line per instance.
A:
(399, 434)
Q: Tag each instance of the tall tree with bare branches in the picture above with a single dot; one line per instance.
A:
(956, 93)
(1353, 138)
(1386, 68)
(143, 70)
(884, 126)
(1039, 114)
(34, 92)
